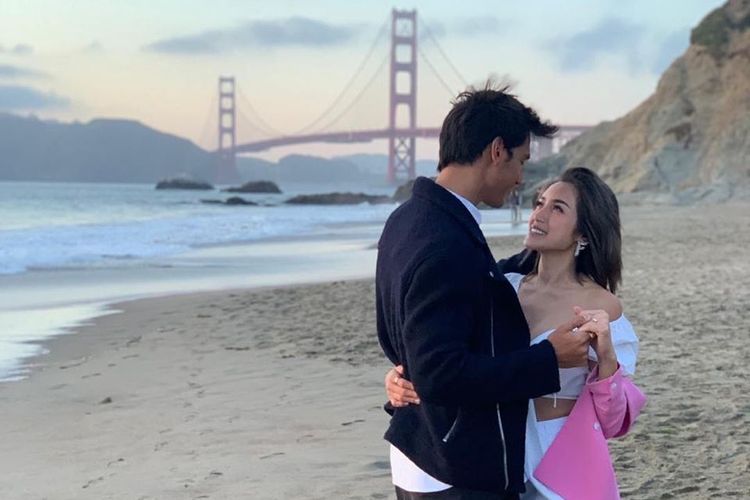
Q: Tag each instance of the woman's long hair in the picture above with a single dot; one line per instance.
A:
(599, 223)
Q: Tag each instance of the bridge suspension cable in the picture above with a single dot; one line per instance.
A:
(349, 84)
(255, 120)
(359, 96)
(435, 72)
(426, 29)
(251, 129)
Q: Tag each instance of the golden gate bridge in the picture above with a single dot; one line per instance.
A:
(401, 130)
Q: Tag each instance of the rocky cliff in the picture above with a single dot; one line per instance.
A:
(691, 138)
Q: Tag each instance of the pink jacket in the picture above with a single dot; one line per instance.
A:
(577, 465)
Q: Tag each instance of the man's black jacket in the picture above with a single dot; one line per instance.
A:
(454, 322)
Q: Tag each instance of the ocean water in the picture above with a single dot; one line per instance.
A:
(69, 249)
(60, 225)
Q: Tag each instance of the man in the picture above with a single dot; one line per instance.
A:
(453, 321)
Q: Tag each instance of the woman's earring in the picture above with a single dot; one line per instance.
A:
(580, 245)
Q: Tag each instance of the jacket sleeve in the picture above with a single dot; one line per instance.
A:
(617, 402)
(382, 328)
(521, 263)
(439, 307)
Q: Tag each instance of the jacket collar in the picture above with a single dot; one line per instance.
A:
(432, 192)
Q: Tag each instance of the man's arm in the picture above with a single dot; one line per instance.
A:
(522, 263)
(439, 317)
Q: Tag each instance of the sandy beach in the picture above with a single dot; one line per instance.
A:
(277, 393)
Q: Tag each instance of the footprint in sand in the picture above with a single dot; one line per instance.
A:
(133, 341)
(307, 438)
(78, 362)
(380, 465)
(93, 481)
(352, 422)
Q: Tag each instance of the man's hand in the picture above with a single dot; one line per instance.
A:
(399, 390)
(570, 343)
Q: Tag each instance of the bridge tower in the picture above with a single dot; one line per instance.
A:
(227, 164)
(403, 95)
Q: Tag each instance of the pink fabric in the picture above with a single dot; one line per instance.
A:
(577, 465)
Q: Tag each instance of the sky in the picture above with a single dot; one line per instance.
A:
(158, 61)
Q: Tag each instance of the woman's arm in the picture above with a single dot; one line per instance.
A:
(399, 390)
(617, 400)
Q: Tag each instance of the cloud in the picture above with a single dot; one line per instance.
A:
(465, 27)
(9, 71)
(93, 47)
(581, 51)
(638, 47)
(293, 31)
(20, 49)
(18, 98)
(671, 47)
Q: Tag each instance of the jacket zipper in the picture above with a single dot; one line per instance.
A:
(497, 405)
(450, 431)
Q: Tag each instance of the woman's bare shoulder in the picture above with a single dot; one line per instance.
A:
(601, 298)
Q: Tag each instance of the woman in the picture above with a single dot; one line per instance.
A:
(574, 237)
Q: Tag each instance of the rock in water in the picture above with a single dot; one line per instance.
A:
(255, 187)
(338, 199)
(183, 184)
(236, 200)
(403, 192)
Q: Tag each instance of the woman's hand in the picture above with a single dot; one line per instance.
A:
(601, 340)
(399, 390)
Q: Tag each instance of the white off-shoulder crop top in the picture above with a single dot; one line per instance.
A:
(572, 380)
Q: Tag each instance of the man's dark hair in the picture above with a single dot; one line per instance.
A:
(598, 215)
(479, 116)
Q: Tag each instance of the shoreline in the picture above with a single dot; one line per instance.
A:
(277, 392)
(64, 339)
(72, 342)
(503, 245)
(341, 251)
